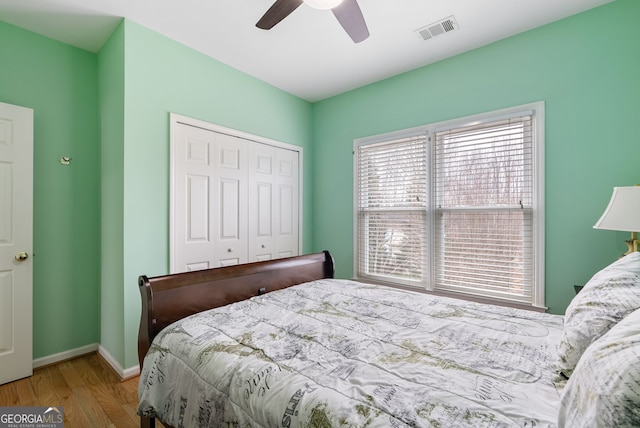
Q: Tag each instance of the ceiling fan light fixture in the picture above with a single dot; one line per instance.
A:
(323, 4)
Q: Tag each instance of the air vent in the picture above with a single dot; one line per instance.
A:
(437, 28)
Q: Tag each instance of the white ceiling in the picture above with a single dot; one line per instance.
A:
(308, 54)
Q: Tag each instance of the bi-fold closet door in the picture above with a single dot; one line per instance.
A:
(233, 199)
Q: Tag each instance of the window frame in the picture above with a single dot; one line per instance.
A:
(536, 110)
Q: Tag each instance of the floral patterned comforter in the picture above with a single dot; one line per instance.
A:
(339, 353)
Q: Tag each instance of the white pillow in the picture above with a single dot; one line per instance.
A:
(627, 264)
(604, 390)
(608, 297)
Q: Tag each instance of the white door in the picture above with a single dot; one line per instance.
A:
(16, 242)
(234, 198)
(192, 247)
(287, 215)
(230, 200)
(209, 199)
(273, 202)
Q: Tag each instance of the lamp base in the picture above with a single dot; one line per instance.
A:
(632, 245)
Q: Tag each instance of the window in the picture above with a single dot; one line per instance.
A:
(455, 206)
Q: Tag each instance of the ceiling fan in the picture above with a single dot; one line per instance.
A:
(347, 12)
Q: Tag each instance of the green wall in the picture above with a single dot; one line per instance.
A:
(111, 80)
(59, 83)
(163, 76)
(586, 68)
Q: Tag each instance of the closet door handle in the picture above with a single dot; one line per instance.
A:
(22, 256)
(229, 250)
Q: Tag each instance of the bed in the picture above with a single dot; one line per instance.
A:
(283, 343)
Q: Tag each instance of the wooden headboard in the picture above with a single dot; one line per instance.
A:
(168, 298)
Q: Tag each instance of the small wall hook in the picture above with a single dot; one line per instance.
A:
(65, 160)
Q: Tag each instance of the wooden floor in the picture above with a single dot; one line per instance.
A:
(89, 390)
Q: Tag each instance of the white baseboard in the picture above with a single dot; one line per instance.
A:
(87, 349)
(66, 355)
(115, 365)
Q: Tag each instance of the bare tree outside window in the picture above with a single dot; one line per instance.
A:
(484, 207)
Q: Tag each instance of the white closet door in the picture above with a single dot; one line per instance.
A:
(230, 200)
(192, 246)
(286, 215)
(233, 200)
(273, 202)
(209, 200)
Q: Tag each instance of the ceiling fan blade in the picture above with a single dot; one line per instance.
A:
(277, 12)
(350, 17)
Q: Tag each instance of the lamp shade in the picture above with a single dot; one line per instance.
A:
(623, 212)
(323, 4)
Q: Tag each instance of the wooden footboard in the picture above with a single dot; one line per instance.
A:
(168, 298)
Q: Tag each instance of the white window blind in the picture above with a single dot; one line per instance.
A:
(459, 212)
(483, 209)
(391, 208)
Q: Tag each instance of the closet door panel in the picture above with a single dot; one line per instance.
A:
(264, 220)
(261, 246)
(192, 245)
(231, 200)
(286, 215)
(197, 208)
(260, 176)
(229, 209)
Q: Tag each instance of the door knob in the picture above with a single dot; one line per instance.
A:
(22, 256)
